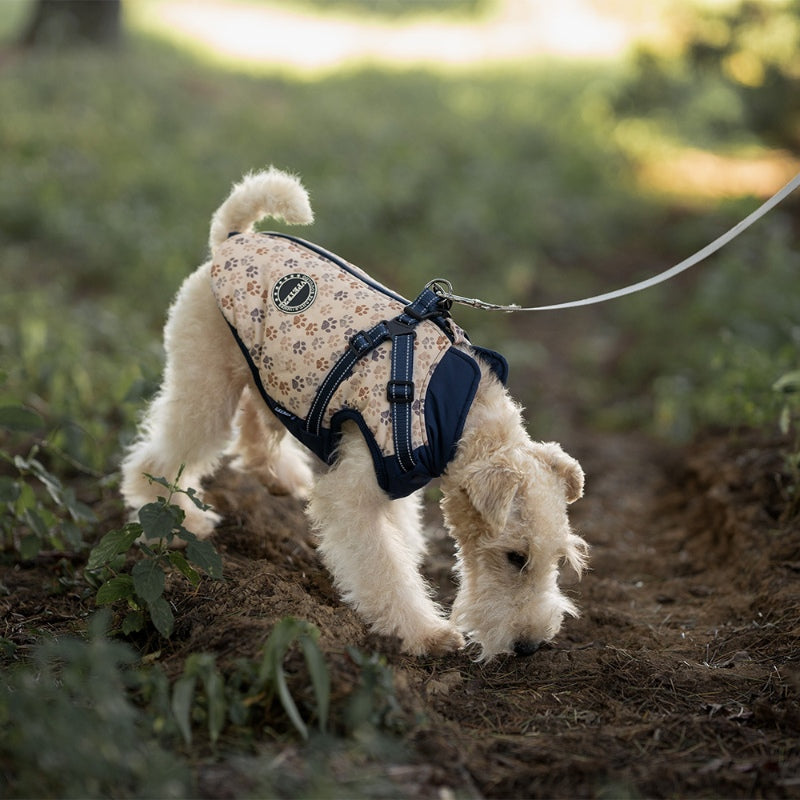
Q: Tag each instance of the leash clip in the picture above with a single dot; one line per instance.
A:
(444, 289)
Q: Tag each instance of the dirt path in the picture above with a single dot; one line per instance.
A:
(681, 678)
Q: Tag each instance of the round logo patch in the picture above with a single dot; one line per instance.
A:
(294, 293)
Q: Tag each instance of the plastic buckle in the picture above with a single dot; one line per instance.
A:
(397, 327)
(361, 343)
(400, 391)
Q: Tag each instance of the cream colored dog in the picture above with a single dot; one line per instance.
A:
(504, 496)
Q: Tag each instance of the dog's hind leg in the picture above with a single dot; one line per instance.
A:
(265, 449)
(189, 421)
(373, 548)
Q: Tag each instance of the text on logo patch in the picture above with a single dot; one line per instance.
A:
(294, 293)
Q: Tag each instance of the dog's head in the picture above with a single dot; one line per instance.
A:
(508, 514)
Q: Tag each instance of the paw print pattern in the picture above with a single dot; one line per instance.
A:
(294, 352)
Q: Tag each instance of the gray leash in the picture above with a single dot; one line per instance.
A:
(444, 288)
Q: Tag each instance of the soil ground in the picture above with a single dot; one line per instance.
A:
(680, 679)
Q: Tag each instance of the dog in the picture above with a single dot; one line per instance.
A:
(504, 496)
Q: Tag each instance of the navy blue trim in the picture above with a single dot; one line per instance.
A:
(321, 251)
(290, 421)
(437, 312)
(451, 390)
(447, 403)
(360, 344)
(400, 388)
(378, 459)
(400, 393)
(496, 362)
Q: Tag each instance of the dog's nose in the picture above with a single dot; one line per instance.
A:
(525, 647)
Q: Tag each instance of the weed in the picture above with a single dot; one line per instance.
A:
(37, 510)
(68, 729)
(204, 694)
(159, 528)
(373, 705)
(255, 683)
(199, 667)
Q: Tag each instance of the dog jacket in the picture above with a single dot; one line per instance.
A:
(327, 343)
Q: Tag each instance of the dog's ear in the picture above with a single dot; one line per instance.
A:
(492, 493)
(566, 467)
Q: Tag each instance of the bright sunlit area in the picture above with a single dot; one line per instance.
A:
(328, 36)
(309, 40)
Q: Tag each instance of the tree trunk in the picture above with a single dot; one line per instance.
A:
(64, 23)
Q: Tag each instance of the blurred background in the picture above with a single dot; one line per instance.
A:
(530, 152)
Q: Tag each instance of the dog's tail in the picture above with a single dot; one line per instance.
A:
(270, 193)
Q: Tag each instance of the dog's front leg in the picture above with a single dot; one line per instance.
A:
(372, 546)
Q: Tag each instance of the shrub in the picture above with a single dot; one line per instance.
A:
(68, 729)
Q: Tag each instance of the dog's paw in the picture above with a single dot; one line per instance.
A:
(437, 642)
(200, 523)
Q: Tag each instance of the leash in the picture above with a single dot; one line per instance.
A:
(444, 289)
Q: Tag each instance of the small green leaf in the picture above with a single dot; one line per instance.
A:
(9, 489)
(182, 565)
(79, 512)
(320, 677)
(148, 580)
(182, 700)
(215, 694)
(33, 519)
(271, 672)
(162, 616)
(18, 418)
(160, 481)
(288, 703)
(117, 588)
(112, 544)
(72, 534)
(788, 383)
(202, 553)
(133, 622)
(785, 420)
(275, 648)
(158, 519)
(25, 499)
(193, 496)
(29, 547)
(52, 484)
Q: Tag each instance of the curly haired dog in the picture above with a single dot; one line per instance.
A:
(275, 334)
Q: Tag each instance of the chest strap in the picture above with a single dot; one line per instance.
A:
(400, 388)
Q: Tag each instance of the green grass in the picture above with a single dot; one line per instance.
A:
(512, 183)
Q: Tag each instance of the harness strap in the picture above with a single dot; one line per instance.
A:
(360, 344)
(400, 388)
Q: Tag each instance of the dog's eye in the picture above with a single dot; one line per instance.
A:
(516, 559)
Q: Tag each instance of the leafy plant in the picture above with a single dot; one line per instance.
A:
(204, 694)
(159, 525)
(260, 681)
(272, 677)
(37, 511)
(373, 704)
(68, 729)
(199, 667)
